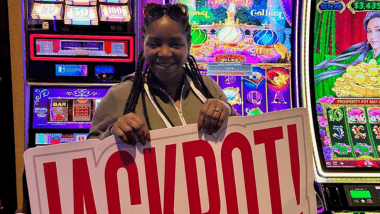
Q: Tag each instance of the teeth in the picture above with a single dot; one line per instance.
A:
(165, 65)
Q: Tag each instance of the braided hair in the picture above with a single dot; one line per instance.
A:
(191, 68)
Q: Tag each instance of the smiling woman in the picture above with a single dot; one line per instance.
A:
(166, 50)
(361, 52)
(168, 91)
(373, 34)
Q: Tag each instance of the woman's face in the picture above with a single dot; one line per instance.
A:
(373, 32)
(166, 48)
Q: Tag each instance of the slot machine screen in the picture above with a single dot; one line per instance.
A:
(64, 108)
(245, 46)
(81, 15)
(75, 40)
(345, 82)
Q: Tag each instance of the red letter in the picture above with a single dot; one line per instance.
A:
(269, 137)
(191, 150)
(52, 188)
(294, 159)
(239, 141)
(82, 187)
(115, 162)
(170, 162)
(152, 180)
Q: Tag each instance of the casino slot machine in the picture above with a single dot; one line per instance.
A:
(341, 86)
(245, 46)
(75, 50)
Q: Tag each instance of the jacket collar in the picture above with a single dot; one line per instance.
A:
(157, 90)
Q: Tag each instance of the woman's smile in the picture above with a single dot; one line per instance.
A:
(164, 65)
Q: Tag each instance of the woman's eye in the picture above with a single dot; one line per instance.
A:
(152, 44)
(177, 45)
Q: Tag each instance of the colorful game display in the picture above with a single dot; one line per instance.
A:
(81, 15)
(346, 84)
(44, 139)
(245, 46)
(114, 13)
(59, 110)
(82, 109)
(75, 50)
(341, 63)
(47, 11)
(65, 108)
(86, 40)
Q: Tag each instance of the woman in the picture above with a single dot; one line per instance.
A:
(364, 51)
(170, 92)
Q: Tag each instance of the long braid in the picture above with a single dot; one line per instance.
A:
(144, 103)
(195, 75)
(136, 87)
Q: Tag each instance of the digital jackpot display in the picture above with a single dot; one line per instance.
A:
(81, 12)
(81, 48)
(346, 83)
(245, 46)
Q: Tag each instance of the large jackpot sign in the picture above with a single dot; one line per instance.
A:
(260, 164)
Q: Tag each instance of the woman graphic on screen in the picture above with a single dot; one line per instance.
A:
(361, 52)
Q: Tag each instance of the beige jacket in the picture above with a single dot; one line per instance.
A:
(112, 106)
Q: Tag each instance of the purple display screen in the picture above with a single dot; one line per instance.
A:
(266, 90)
(82, 45)
(65, 108)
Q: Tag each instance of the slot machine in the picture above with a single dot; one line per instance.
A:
(75, 50)
(245, 46)
(342, 92)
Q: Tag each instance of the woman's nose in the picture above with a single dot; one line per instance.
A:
(165, 51)
(373, 35)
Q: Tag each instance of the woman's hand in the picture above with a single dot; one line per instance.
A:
(130, 126)
(212, 115)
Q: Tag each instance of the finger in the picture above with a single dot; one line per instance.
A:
(139, 128)
(202, 116)
(127, 129)
(207, 117)
(221, 120)
(214, 120)
(120, 134)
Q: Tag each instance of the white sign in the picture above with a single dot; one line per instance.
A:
(258, 164)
